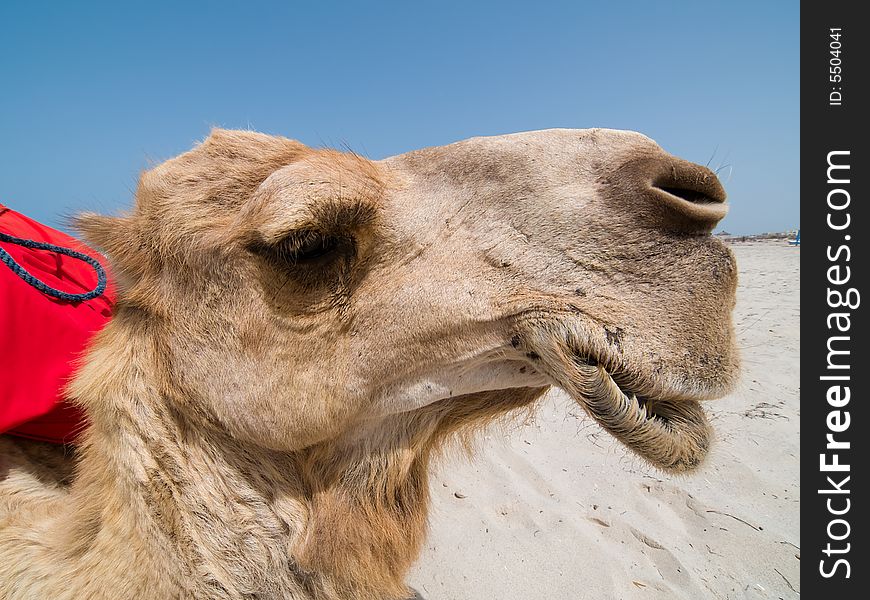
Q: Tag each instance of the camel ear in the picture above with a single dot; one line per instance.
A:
(113, 236)
(101, 231)
(183, 200)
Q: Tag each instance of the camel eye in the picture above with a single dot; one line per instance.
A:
(298, 248)
(309, 245)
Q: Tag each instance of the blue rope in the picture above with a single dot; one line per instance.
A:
(41, 285)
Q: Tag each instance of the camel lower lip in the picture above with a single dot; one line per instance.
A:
(672, 435)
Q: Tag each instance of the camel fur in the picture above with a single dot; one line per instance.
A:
(300, 333)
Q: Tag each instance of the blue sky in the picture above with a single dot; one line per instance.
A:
(93, 93)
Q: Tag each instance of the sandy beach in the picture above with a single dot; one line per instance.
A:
(553, 508)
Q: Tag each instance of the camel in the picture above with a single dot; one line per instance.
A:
(301, 332)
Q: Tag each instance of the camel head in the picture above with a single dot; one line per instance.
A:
(299, 295)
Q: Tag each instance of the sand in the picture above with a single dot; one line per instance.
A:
(556, 509)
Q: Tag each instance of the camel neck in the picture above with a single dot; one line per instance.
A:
(218, 527)
(214, 517)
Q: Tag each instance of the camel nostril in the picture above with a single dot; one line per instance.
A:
(692, 183)
(693, 196)
(690, 197)
(671, 193)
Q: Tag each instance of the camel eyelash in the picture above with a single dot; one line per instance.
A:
(321, 253)
(331, 225)
(307, 245)
(303, 248)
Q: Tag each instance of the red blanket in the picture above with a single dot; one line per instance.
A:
(42, 336)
